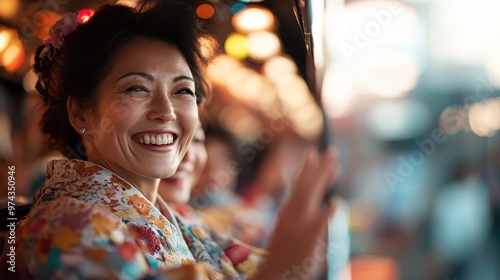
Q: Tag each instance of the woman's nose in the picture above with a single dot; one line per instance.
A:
(162, 109)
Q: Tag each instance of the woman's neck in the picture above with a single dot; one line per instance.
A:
(147, 186)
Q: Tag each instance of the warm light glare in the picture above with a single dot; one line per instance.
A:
(205, 11)
(13, 57)
(240, 122)
(374, 268)
(8, 8)
(252, 19)
(338, 93)
(4, 39)
(208, 46)
(263, 45)
(128, 3)
(390, 74)
(307, 120)
(221, 68)
(237, 45)
(293, 91)
(237, 82)
(279, 66)
(484, 118)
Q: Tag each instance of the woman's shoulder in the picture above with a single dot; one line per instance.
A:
(66, 212)
(72, 237)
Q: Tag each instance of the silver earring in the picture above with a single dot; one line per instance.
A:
(82, 130)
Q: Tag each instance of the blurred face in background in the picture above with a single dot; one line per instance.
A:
(177, 188)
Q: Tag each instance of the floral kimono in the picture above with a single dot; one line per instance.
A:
(87, 222)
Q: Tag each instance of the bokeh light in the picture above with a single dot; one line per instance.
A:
(279, 66)
(237, 7)
(484, 117)
(209, 46)
(9, 8)
(205, 11)
(252, 19)
(236, 45)
(221, 68)
(263, 45)
(85, 15)
(13, 57)
(390, 74)
(5, 35)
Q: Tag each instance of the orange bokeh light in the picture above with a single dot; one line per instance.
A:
(205, 11)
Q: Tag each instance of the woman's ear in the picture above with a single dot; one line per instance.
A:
(76, 114)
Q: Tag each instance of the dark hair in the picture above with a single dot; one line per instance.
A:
(85, 57)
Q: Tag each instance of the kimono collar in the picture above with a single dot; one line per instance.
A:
(94, 184)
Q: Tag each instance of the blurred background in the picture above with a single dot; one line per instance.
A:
(408, 91)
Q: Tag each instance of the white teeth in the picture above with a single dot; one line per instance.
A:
(163, 139)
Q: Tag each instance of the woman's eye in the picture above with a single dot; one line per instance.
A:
(199, 140)
(186, 91)
(136, 89)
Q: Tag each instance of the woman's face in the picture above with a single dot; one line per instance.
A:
(177, 188)
(146, 112)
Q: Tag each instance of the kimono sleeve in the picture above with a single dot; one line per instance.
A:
(245, 258)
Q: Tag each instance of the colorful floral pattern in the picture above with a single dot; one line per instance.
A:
(216, 248)
(87, 222)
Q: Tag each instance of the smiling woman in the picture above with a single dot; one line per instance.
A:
(121, 92)
(151, 85)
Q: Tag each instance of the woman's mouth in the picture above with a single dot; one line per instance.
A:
(156, 139)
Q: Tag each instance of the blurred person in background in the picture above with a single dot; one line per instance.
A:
(461, 223)
(217, 183)
(32, 151)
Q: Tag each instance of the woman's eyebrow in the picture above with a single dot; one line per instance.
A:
(182, 77)
(142, 74)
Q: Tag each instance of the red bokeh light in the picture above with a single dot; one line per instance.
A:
(84, 15)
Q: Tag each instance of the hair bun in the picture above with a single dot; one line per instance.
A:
(42, 66)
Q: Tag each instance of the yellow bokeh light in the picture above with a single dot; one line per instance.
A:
(236, 45)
